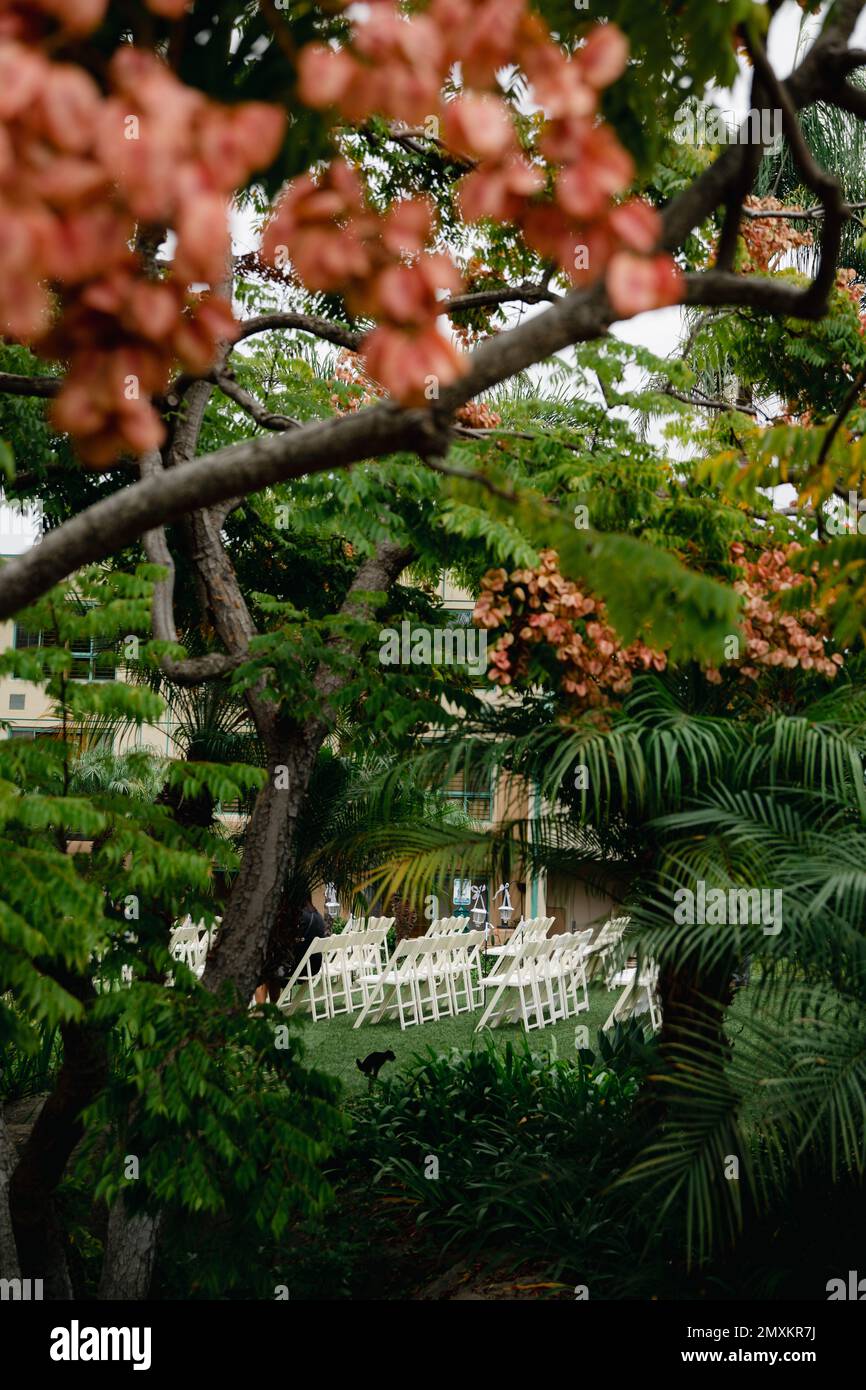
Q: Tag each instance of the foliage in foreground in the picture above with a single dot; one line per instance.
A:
(531, 1153)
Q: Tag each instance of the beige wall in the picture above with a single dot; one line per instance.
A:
(37, 713)
(575, 905)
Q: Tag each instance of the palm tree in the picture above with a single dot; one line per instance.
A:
(690, 782)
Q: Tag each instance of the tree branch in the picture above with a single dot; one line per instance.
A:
(46, 386)
(472, 476)
(706, 403)
(247, 402)
(580, 315)
(847, 405)
(194, 670)
(527, 293)
(302, 323)
(257, 463)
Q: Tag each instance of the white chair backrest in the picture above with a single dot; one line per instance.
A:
(409, 953)
(445, 926)
(463, 946)
(536, 928)
(568, 947)
(611, 931)
(385, 923)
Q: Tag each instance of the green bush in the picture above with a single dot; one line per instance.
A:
(31, 1069)
(509, 1151)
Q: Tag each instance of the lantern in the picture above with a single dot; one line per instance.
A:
(479, 909)
(506, 909)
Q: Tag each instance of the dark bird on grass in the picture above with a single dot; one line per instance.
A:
(373, 1064)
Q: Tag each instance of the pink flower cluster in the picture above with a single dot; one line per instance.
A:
(337, 243)
(397, 66)
(478, 415)
(350, 372)
(775, 638)
(80, 171)
(543, 607)
(767, 240)
(579, 229)
(537, 607)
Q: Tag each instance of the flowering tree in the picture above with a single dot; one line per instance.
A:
(540, 608)
(110, 145)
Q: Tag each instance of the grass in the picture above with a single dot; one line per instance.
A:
(333, 1046)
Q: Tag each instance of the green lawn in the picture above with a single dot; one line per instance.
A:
(333, 1046)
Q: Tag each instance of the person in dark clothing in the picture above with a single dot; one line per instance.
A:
(312, 925)
(285, 956)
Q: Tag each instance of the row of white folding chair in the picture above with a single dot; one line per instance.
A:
(548, 978)
(428, 978)
(546, 982)
(447, 926)
(536, 928)
(189, 942)
(639, 996)
(351, 966)
(362, 924)
(512, 972)
(528, 929)
(348, 967)
(605, 952)
(187, 929)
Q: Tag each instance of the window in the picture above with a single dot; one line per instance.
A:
(93, 658)
(31, 734)
(17, 701)
(476, 797)
(25, 638)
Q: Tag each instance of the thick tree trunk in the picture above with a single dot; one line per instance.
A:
(130, 1253)
(38, 1234)
(268, 856)
(8, 1251)
(693, 1008)
(269, 844)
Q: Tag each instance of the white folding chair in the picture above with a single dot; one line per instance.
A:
(538, 928)
(466, 982)
(307, 987)
(366, 962)
(510, 947)
(516, 989)
(639, 996)
(414, 986)
(190, 943)
(604, 951)
(337, 971)
(563, 972)
(397, 988)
